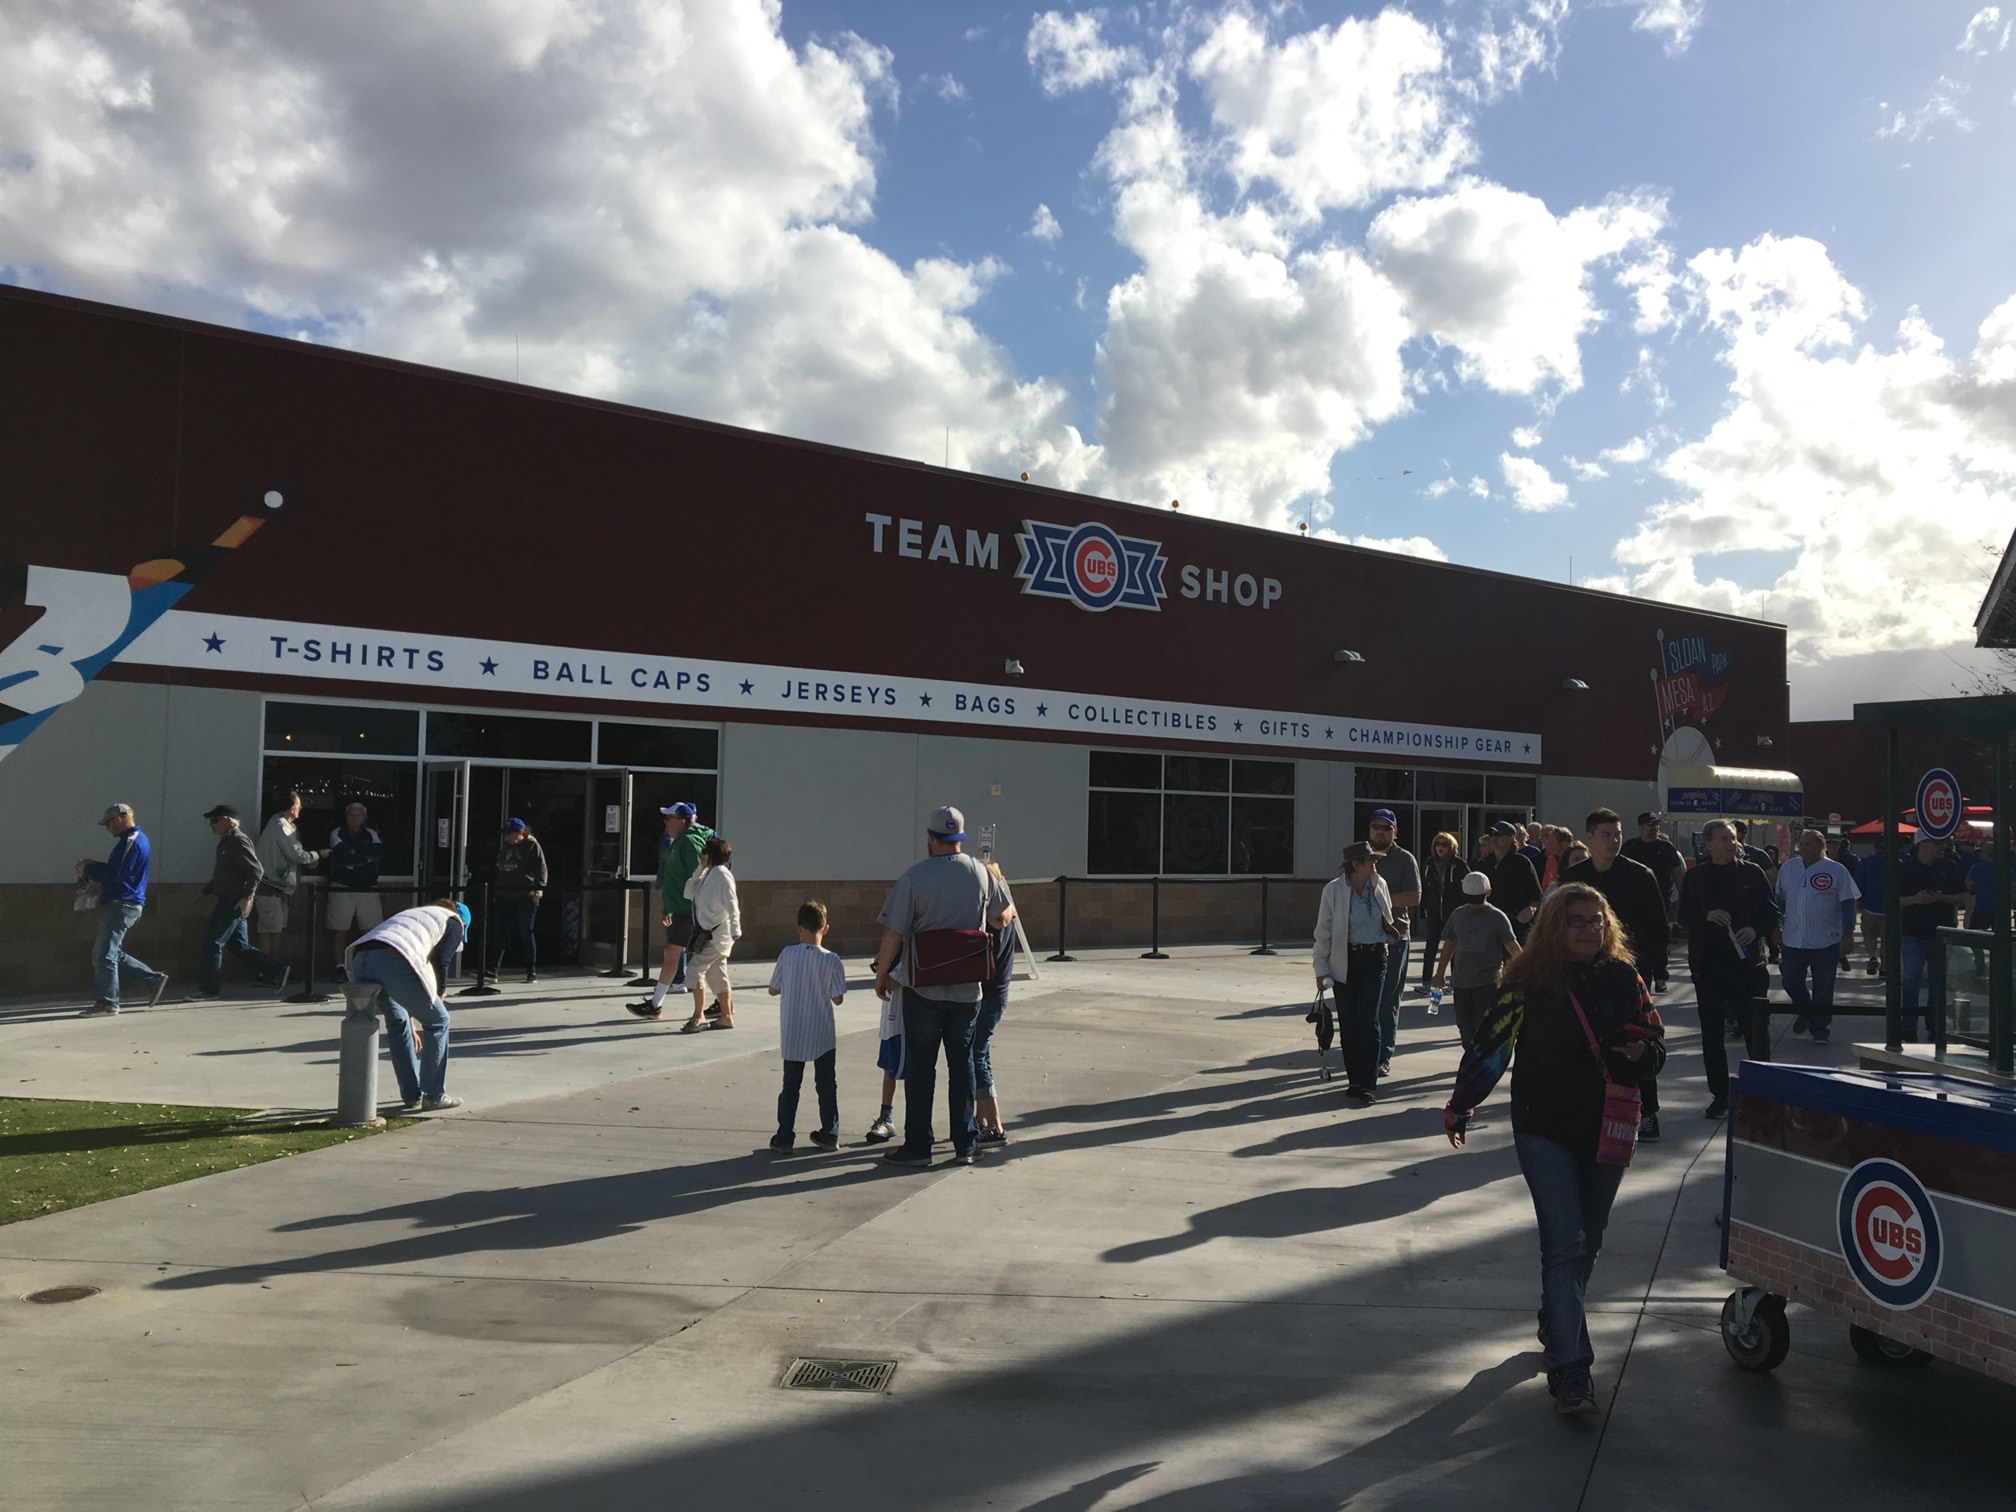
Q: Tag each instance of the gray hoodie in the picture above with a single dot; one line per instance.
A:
(282, 856)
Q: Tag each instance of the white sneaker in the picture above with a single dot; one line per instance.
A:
(439, 1104)
(880, 1131)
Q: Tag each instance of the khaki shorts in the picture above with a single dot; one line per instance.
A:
(269, 913)
(710, 966)
(360, 908)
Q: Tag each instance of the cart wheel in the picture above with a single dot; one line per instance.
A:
(1762, 1346)
(1874, 1349)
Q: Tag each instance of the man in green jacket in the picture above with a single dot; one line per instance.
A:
(678, 859)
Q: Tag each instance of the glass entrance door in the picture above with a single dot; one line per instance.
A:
(444, 830)
(607, 843)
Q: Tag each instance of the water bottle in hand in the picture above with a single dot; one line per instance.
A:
(1434, 1001)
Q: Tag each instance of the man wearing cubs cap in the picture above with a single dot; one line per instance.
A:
(678, 858)
(937, 916)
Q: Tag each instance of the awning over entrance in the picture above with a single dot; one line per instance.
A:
(1718, 790)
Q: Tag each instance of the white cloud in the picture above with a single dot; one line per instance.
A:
(1495, 274)
(1526, 437)
(1043, 225)
(947, 87)
(1629, 454)
(1673, 20)
(1069, 52)
(1478, 488)
(1941, 107)
(1413, 546)
(1335, 117)
(974, 34)
(1588, 472)
(1645, 375)
(1513, 38)
(1986, 32)
(1880, 467)
(648, 203)
(1439, 487)
(1534, 489)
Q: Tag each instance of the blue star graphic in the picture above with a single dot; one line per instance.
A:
(924, 699)
(1042, 711)
(1238, 725)
(1328, 732)
(489, 667)
(748, 688)
(213, 642)
(1529, 748)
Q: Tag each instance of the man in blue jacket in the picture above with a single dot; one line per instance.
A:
(122, 894)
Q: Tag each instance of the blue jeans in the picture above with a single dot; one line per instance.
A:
(511, 917)
(1914, 955)
(406, 997)
(993, 1002)
(108, 955)
(827, 1083)
(1389, 999)
(1572, 1195)
(927, 1024)
(1358, 998)
(226, 931)
(1823, 961)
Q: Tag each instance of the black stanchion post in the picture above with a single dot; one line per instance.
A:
(308, 994)
(1154, 950)
(1063, 921)
(1265, 948)
(483, 987)
(645, 977)
(616, 967)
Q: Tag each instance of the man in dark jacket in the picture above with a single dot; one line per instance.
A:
(1515, 886)
(233, 880)
(1634, 896)
(1933, 888)
(519, 884)
(356, 852)
(1727, 909)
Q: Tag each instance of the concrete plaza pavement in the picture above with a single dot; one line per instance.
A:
(1197, 1280)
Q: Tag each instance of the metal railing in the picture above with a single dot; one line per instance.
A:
(1154, 952)
(1953, 1017)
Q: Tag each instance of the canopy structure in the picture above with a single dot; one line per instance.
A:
(1714, 791)
(1995, 620)
(1993, 719)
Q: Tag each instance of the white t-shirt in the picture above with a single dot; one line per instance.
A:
(1813, 897)
(808, 979)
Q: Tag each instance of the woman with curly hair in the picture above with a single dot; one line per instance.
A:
(1573, 1008)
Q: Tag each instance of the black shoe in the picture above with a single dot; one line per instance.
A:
(1648, 1129)
(531, 977)
(1363, 1094)
(903, 1157)
(1718, 1108)
(1799, 1024)
(826, 1141)
(1823, 1037)
(1735, 1031)
(782, 1143)
(1575, 1397)
(969, 1157)
(644, 1010)
(1659, 984)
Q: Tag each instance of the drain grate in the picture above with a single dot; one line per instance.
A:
(839, 1375)
(63, 1294)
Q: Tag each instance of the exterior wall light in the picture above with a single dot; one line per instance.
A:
(1574, 685)
(1012, 667)
(1346, 656)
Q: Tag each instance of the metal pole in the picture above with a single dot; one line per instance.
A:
(308, 994)
(616, 967)
(1893, 907)
(644, 977)
(1063, 920)
(1265, 948)
(483, 987)
(1154, 950)
(1935, 997)
(2002, 943)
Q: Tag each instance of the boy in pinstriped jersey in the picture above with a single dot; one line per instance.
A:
(811, 981)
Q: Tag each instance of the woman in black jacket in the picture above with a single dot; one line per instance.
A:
(1442, 872)
(1573, 989)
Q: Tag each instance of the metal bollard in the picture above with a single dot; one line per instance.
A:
(645, 977)
(1154, 951)
(483, 987)
(357, 1080)
(1265, 948)
(1063, 921)
(313, 916)
(617, 968)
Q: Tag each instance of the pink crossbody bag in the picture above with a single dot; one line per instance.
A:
(1618, 1140)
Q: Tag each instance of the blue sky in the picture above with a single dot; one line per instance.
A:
(1300, 249)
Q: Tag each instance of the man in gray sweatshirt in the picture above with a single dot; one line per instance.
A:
(234, 881)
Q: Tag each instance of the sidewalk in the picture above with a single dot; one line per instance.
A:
(1196, 1281)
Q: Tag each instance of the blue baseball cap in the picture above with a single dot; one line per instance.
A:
(680, 811)
(1386, 816)
(513, 827)
(462, 913)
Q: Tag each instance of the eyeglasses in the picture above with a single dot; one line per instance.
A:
(1588, 921)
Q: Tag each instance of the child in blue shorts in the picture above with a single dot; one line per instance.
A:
(889, 1056)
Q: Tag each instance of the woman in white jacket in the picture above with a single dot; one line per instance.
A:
(717, 913)
(1354, 924)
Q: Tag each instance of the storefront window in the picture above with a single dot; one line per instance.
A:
(679, 747)
(510, 737)
(352, 729)
(1189, 815)
(1124, 834)
(330, 784)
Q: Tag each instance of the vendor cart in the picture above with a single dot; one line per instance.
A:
(1887, 1200)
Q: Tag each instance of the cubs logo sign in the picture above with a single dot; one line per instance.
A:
(1094, 567)
(1889, 1233)
(1938, 804)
